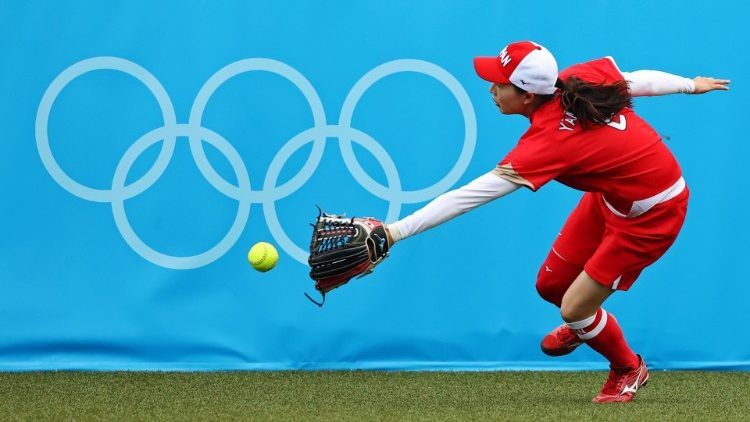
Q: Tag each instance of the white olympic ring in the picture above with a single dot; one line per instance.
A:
(267, 197)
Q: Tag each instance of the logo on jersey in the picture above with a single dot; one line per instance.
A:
(621, 124)
(569, 120)
(504, 57)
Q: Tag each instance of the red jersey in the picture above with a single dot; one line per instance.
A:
(624, 160)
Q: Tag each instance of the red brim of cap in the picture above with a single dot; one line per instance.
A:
(487, 69)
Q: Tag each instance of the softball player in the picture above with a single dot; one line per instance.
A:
(583, 134)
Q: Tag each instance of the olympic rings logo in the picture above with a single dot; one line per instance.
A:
(196, 134)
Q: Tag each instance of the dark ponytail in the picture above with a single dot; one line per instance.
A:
(593, 103)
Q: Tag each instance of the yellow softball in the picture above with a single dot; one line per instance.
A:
(263, 256)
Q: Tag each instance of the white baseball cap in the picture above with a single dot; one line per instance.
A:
(525, 64)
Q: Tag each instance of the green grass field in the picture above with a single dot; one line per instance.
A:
(364, 395)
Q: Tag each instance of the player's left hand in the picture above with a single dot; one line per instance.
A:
(342, 248)
(706, 84)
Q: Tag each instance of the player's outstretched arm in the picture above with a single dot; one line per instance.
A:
(655, 82)
(342, 248)
(451, 204)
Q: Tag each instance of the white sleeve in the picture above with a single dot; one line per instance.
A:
(451, 204)
(654, 82)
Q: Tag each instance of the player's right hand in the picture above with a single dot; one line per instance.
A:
(706, 84)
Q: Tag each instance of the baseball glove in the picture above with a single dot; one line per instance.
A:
(343, 248)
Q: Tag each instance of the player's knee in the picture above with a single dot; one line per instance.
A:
(548, 289)
(575, 308)
(570, 312)
(554, 277)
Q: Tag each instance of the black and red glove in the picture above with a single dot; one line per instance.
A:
(343, 248)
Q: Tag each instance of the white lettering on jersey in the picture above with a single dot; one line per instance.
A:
(568, 122)
(504, 57)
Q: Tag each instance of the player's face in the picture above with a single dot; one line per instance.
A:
(507, 99)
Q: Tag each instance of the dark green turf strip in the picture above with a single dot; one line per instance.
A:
(364, 395)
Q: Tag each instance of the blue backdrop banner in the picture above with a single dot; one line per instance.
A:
(147, 145)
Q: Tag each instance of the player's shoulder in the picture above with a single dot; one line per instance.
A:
(601, 70)
(545, 122)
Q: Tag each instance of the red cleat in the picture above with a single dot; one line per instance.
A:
(561, 341)
(622, 384)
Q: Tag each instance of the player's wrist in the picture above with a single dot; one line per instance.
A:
(393, 234)
(695, 85)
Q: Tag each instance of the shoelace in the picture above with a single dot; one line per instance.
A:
(567, 336)
(614, 382)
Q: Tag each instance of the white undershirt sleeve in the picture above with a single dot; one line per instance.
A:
(451, 204)
(654, 82)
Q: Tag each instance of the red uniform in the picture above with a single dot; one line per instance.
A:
(635, 200)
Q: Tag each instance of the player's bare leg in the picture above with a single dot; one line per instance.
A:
(581, 310)
(583, 298)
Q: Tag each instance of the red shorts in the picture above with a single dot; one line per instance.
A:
(614, 250)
